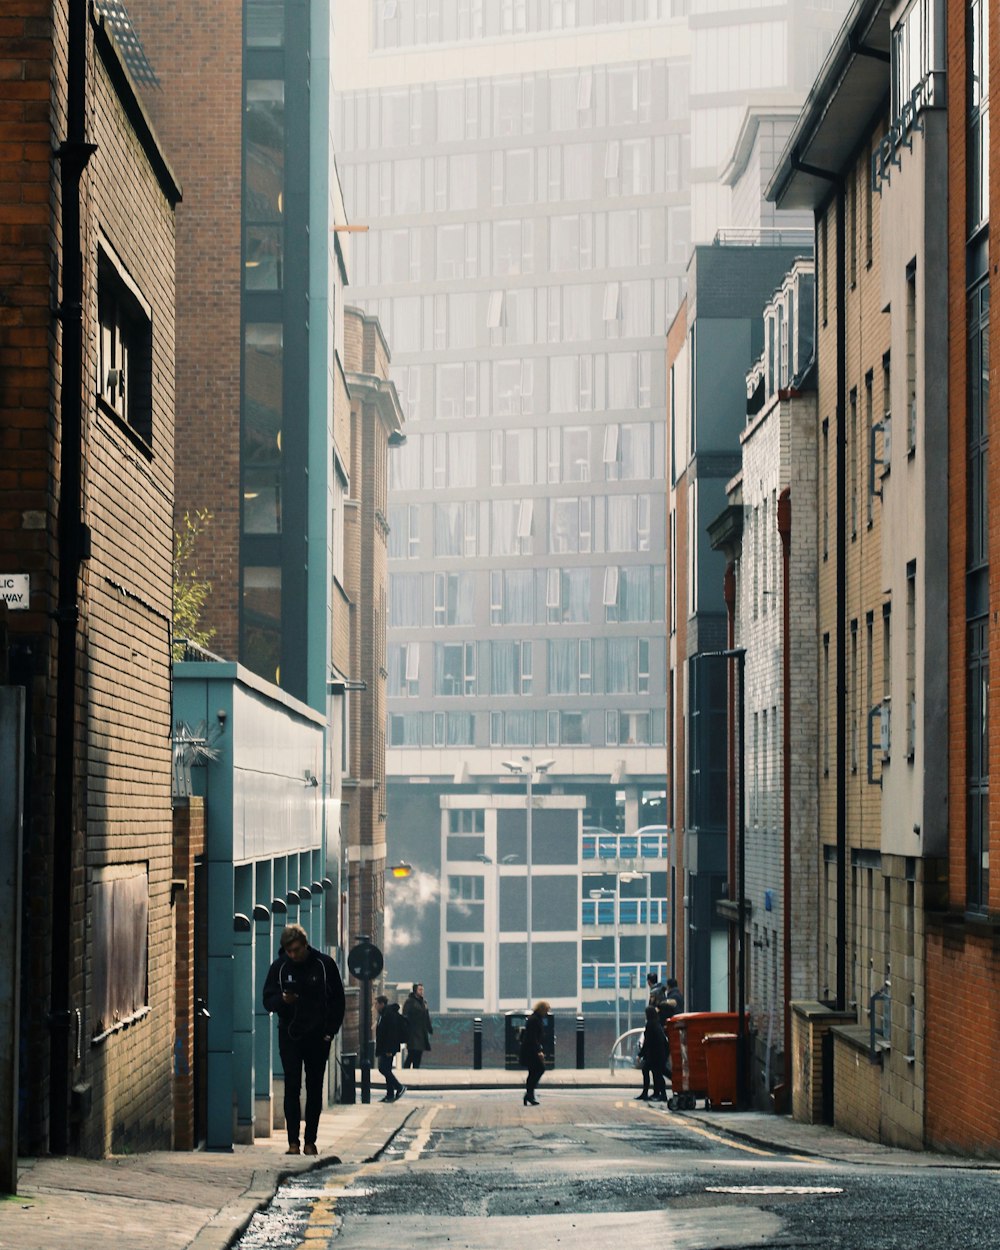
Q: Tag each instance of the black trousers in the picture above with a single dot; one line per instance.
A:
(392, 1085)
(413, 1058)
(536, 1069)
(309, 1053)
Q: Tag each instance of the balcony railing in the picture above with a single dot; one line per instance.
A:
(602, 976)
(630, 911)
(625, 846)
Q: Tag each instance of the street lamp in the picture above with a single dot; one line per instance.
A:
(635, 875)
(605, 893)
(400, 871)
(495, 864)
(528, 768)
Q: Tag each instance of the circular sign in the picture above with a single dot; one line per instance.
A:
(365, 962)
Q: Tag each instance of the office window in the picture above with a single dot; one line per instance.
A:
(465, 955)
(567, 728)
(454, 668)
(825, 487)
(854, 698)
(405, 729)
(643, 728)
(456, 528)
(570, 670)
(454, 598)
(511, 527)
(570, 525)
(826, 705)
(264, 183)
(627, 523)
(512, 597)
(404, 532)
(339, 482)
(913, 56)
(853, 452)
(405, 599)
(870, 444)
(260, 621)
(511, 669)
(567, 596)
(622, 665)
(125, 350)
(403, 664)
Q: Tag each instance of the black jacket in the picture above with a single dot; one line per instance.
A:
(387, 1030)
(316, 981)
(418, 1017)
(532, 1044)
(654, 1047)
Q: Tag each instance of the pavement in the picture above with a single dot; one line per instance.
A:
(201, 1200)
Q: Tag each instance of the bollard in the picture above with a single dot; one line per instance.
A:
(579, 1041)
(477, 1042)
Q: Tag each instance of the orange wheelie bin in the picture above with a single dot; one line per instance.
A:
(686, 1034)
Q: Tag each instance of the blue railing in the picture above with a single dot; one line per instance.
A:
(631, 911)
(625, 846)
(602, 976)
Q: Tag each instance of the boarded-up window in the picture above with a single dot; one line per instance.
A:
(121, 915)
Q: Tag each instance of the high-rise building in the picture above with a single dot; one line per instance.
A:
(527, 205)
(529, 173)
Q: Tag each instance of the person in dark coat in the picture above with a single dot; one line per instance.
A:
(533, 1051)
(387, 1034)
(654, 1057)
(304, 990)
(418, 1017)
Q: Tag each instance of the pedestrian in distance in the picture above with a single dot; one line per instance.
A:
(657, 991)
(674, 999)
(532, 1054)
(418, 1018)
(653, 1054)
(304, 990)
(388, 1039)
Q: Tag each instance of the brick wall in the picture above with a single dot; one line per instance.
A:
(122, 783)
(857, 1098)
(32, 94)
(197, 54)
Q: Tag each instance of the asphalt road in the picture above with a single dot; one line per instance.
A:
(477, 1171)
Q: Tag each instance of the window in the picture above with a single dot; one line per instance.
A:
(886, 721)
(825, 487)
(404, 533)
(512, 597)
(570, 666)
(125, 352)
(854, 696)
(978, 127)
(634, 728)
(467, 955)
(853, 452)
(264, 184)
(121, 943)
(260, 622)
(510, 668)
(911, 659)
(262, 421)
(405, 599)
(455, 668)
(978, 765)
(911, 356)
(570, 525)
(454, 598)
(403, 663)
(337, 521)
(870, 441)
(913, 57)
(826, 705)
(567, 596)
(405, 729)
(567, 728)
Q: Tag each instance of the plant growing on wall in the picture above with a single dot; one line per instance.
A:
(190, 589)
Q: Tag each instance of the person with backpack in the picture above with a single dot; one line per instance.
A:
(418, 1017)
(304, 990)
(390, 1033)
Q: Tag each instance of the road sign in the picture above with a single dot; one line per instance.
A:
(15, 591)
(365, 962)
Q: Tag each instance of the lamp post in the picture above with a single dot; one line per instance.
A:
(634, 875)
(528, 768)
(615, 894)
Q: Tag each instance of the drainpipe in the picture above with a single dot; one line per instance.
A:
(841, 635)
(73, 154)
(785, 533)
(729, 595)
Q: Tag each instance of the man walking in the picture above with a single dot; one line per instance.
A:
(418, 1018)
(387, 1040)
(304, 990)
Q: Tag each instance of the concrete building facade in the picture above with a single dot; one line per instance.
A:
(86, 496)
(873, 177)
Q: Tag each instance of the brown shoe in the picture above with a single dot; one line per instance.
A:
(293, 1148)
(310, 1148)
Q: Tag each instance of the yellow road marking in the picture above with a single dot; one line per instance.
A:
(680, 1121)
(423, 1135)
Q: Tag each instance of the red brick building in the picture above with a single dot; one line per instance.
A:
(87, 204)
(963, 967)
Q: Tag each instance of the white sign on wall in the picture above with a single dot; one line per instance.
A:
(15, 591)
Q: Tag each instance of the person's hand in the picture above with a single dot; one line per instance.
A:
(289, 998)
(328, 1038)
